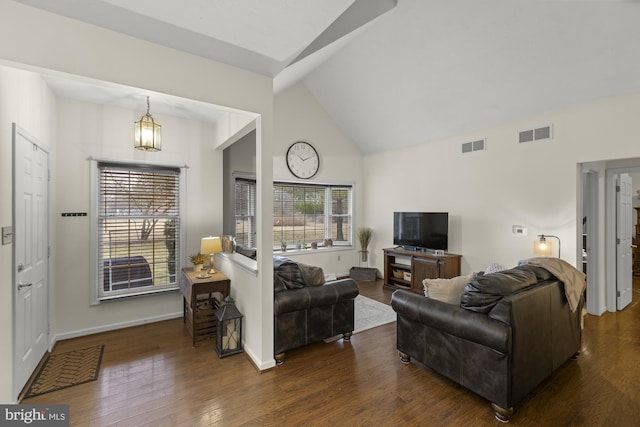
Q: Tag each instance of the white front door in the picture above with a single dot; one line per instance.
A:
(624, 209)
(31, 256)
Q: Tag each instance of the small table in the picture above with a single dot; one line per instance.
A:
(199, 302)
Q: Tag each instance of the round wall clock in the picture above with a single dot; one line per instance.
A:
(303, 160)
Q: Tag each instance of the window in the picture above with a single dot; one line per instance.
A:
(302, 213)
(138, 229)
(245, 212)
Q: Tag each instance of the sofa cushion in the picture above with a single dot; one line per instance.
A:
(446, 290)
(483, 292)
(494, 267)
(314, 296)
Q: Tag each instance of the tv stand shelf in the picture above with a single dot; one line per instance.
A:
(421, 264)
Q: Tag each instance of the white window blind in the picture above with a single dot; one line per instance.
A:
(307, 213)
(245, 211)
(138, 229)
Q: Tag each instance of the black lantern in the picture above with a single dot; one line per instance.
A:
(229, 329)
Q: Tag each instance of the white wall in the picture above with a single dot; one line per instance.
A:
(86, 131)
(299, 116)
(486, 192)
(27, 101)
(38, 40)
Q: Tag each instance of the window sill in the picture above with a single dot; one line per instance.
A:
(313, 251)
(245, 263)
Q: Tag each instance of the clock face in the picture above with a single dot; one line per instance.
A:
(303, 160)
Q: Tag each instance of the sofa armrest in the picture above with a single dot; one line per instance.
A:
(453, 319)
(314, 296)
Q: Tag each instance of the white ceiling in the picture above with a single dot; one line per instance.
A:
(393, 76)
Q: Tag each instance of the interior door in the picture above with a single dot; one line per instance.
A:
(624, 225)
(31, 255)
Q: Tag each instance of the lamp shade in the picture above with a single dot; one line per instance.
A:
(210, 245)
(146, 133)
(542, 248)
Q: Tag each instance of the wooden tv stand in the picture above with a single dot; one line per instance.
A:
(420, 264)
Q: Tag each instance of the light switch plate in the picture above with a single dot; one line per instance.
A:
(7, 235)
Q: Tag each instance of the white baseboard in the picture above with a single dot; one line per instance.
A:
(114, 326)
(111, 327)
(261, 366)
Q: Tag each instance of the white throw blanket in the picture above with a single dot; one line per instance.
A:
(574, 280)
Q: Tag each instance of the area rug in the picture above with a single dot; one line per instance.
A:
(369, 314)
(66, 370)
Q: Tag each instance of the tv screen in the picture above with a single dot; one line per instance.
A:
(427, 230)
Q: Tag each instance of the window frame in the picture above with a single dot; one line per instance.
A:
(251, 220)
(328, 210)
(95, 269)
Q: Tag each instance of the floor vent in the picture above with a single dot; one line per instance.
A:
(478, 145)
(536, 134)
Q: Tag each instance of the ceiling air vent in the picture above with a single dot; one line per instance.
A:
(536, 134)
(468, 147)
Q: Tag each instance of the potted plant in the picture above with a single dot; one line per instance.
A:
(364, 237)
(198, 261)
(363, 273)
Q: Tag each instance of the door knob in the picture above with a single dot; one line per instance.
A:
(24, 285)
(20, 267)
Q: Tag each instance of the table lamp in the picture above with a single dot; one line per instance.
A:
(211, 246)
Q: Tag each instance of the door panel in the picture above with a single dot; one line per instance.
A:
(31, 255)
(624, 226)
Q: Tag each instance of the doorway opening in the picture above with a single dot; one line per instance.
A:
(609, 231)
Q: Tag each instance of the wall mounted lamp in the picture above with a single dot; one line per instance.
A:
(543, 247)
(147, 136)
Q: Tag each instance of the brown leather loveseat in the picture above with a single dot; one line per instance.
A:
(306, 309)
(511, 330)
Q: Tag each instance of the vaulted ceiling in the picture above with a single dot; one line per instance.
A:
(401, 72)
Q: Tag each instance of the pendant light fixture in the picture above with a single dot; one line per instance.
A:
(147, 135)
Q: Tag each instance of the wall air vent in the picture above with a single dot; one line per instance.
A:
(536, 134)
(468, 147)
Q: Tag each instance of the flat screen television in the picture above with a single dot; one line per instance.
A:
(421, 230)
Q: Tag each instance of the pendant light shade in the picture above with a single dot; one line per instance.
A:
(147, 136)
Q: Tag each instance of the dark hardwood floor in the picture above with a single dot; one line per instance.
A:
(152, 376)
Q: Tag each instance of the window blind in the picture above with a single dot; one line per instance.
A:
(138, 229)
(306, 213)
(245, 211)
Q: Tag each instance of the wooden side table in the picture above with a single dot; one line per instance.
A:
(200, 302)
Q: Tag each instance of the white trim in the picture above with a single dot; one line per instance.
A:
(113, 327)
(589, 201)
(320, 250)
(333, 183)
(610, 242)
(261, 366)
(137, 162)
(93, 236)
(610, 230)
(93, 218)
(245, 263)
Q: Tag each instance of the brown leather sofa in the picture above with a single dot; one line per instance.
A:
(510, 332)
(306, 309)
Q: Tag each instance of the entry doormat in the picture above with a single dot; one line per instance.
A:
(66, 370)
